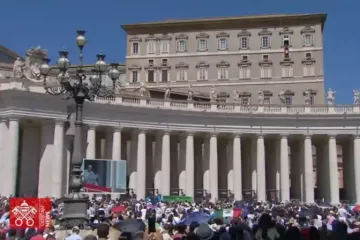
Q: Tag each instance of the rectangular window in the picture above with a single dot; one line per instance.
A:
(267, 100)
(135, 76)
(135, 48)
(287, 71)
(151, 76)
(244, 43)
(164, 61)
(165, 46)
(151, 47)
(265, 72)
(308, 55)
(181, 46)
(223, 44)
(308, 40)
(265, 42)
(265, 57)
(309, 70)
(202, 74)
(244, 72)
(181, 75)
(288, 100)
(244, 58)
(151, 62)
(164, 75)
(245, 100)
(202, 44)
(286, 41)
(222, 73)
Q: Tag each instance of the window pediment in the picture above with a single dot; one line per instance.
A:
(135, 39)
(308, 60)
(150, 67)
(165, 37)
(222, 34)
(287, 61)
(267, 93)
(223, 95)
(245, 94)
(181, 36)
(286, 31)
(265, 62)
(307, 29)
(151, 37)
(244, 33)
(223, 63)
(202, 35)
(265, 32)
(312, 92)
(289, 93)
(164, 66)
(202, 64)
(182, 65)
(244, 63)
(134, 67)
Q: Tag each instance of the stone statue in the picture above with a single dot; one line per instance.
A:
(190, 93)
(235, 95)
(261, 97)
(18, 68)
(282, 96)
(356, 95)
(330, 96)
(212, 94)
(142, 89)
(307, 97)
(167, 92)
(34, 59)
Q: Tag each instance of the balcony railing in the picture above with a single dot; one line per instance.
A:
(137, 101)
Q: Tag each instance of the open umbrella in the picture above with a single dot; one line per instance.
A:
(118, 209)
(199, 217)
(132, 226)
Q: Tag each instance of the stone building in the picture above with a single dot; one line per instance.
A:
(272, 53)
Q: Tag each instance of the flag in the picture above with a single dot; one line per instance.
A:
(227, 214)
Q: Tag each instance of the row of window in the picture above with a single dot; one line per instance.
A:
(222, 41)
(222, 73)
(245, 99)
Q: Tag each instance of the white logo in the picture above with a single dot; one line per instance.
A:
(24, 212)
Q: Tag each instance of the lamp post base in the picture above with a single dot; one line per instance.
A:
(75, 211)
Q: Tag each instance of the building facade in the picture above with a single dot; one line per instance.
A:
(269, 53)
(263, 149)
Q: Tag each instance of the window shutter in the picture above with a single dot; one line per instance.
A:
(227, 73)
(219, 73)
(240, 73)
(198, 74)
(283, 71)
(147, 47)
(206, 74)
(290, 71)
(262, 72)
(270, 72)
(185, 75)
(168, 76)
(178, 75)
(290, 41)
(282, 40)
(146, 76)
(247, 72)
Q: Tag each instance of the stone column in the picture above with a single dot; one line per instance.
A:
(174, 162)
(333, 170)
(189, 165)
(116, 155)
(284, 169)
(213, 167)
(198, 168)
(10, 167)
(253, 164)
(165, 164)
(356, 167)
(3, 150)
(141, 165)
(206, 165)
(237, 176)
(91, 143)
(57, 170)
(308, 170)
(45, 183)
(260, 169)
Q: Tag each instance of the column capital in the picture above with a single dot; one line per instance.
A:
(307, 136)
(92, 127)
(166, 131)
(14, 119)
(356, 136)
(4, 120)
(213, 134)
(59, 122)
(118, 129)
(142, 130)
(188, 133)
(236, 135)
(259, 135)
(331, 136)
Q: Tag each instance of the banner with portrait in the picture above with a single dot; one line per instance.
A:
(104, 176)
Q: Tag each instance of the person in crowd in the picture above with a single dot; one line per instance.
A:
(74, 234)
(266, 229)
(90, 177)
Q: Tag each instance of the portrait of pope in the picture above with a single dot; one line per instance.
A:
(90, 177)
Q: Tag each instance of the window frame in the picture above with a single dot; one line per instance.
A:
(165, 44)
(151, 47)
(205, 45)
(178, 47)
(133, 76)
(202, 74)
(133, 48)
(311, 39)
(268, 42)
(225, 39)
(247, 43)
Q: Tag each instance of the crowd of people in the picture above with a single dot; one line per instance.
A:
(115, 219)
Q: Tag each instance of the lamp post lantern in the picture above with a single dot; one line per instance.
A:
(76, 88)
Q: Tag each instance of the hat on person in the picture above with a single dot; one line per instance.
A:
(204, 232)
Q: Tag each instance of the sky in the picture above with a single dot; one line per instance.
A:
(52, 25)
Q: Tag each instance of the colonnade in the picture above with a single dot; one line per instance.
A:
(189, 161)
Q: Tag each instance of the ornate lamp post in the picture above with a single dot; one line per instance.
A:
(75, 204)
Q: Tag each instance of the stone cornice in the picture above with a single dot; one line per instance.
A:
(242, 22)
